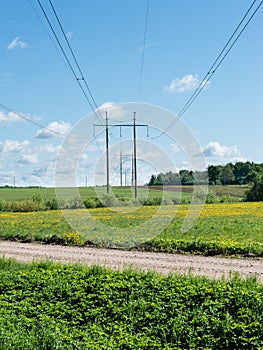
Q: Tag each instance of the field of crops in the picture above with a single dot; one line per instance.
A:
(48, 306)
(228, 229)
(24, 193)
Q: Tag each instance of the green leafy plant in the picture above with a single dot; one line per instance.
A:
(52, 306)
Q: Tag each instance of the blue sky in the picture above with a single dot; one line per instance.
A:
(183, 39)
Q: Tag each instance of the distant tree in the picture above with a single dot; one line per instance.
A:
(227, 175)
(241, 171)
(159, 180)
(255, 193)
(251, 176)
(214, 172)
(152, 180)
(171, 178)
(238, 173)
(186, 177)
(199, 177)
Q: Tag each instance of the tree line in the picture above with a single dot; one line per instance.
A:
(240, 173)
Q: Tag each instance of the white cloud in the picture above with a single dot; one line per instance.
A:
(186, 83)
(4, 118)
(221, 153)
(175, 148)
(53, 129)
(28, 159)
(148, 155)
(47, 148)
(13, 146)
(17, 43)
(70, 34)
(8, 118)
(114, 111)
(40, 172)
(214, 148)
(100, 140)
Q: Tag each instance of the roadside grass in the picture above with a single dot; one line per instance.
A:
(52, 306)
(222, 229)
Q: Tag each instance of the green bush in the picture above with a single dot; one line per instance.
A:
(153, 201)
(3, 205)
(52, 204)
(226, 198)
(25, 206)
(255, 192)
(91, 203)
(211, 197)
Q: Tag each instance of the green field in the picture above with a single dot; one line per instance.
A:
(220, 190)
(47, 193)
(224, 228)
(49, 306)
(232, 190)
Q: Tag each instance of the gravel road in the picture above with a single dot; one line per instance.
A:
(211, 267)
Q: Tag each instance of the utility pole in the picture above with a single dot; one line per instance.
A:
(122, 157)
(134, 155)
(107, 154)
(132, 170)
(14, 181)
(125, 177)
(121, 168)
(86, 181)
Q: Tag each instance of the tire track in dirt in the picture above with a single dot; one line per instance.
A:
(212, 267)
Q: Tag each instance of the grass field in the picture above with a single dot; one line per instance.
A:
(220, 190)
(228, 229)
(50, 306)
(234, 191)
(47, 193)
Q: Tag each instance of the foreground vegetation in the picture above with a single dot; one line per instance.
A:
(224, 228)
(50, 306)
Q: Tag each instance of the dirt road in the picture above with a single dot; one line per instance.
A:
(212, 267)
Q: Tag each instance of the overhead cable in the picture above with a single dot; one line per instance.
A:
(218, 61)
(143, 49)
(79, 79)
(29, 120)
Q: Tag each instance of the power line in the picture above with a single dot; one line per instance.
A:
(92, 104)
(29, 120)
(216, 64)
(47, 32)
(143, 48)
(74, 57)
